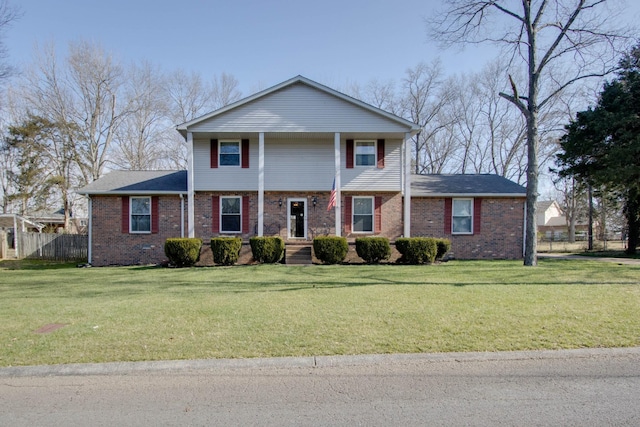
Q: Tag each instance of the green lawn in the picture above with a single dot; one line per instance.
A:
(148, 313)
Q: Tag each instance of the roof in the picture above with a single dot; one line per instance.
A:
(410, 126)
(139, 182)
(9, 220)
(480, 185)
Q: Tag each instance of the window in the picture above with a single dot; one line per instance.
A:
(462, 214)
(140, 215)
(365, 153)
(229, 153)
(363, 214)
(230, 215)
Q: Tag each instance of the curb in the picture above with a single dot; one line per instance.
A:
(125, 368)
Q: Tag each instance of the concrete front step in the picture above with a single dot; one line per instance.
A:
(298, 254)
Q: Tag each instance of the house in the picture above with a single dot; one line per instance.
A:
(269, 165)
(552, 223)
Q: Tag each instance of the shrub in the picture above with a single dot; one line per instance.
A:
(226, 250)
(183, 252)
(373, 249)
(267, 249)
(330, 249)
(444, 246)
(417, 250)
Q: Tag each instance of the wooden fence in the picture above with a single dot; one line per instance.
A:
(58, 247)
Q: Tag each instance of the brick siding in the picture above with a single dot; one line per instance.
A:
(112, 247)
(501, 228)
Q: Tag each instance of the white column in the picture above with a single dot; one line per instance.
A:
(407, 185)
(338, 208)
(191, 221)
(260, 184)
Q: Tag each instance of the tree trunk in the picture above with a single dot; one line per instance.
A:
(531, 237)
(632, 211)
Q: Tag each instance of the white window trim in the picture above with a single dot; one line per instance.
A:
(355, 153)
(235, 141)
(131, 231)
(221, 215)
(467, 233)
(373, 214)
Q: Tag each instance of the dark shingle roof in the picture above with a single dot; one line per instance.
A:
(464, 185)
(138, 182)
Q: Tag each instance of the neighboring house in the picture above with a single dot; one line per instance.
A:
(552, 224)
(54, 222)
(266, 165)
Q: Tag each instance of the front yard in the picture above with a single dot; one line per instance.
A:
(148, 313)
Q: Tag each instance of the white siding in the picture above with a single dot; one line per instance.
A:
(298, 108)
(292, 165)
(297, 165)
(388, 178)
(224, 178)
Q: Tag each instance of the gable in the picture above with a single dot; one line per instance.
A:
(300, 107)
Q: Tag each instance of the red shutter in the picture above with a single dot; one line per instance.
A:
(125, 214)
(214, 153)
(245, 214)
(347, 215)
(477, 214)
(245, 153)
(377, 228)
(215, 214)
(447, 215)
(155, 216)
(381, 154)
(349, 153)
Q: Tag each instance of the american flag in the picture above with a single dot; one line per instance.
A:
(332, 198)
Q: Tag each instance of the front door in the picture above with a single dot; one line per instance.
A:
(297, 219)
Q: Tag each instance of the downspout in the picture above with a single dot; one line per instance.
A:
(524, 230)
(190, 187)
(337, 177)
(90, 232)
(181, 215)
(407, 186)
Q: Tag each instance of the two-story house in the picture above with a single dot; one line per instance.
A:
(298, 160)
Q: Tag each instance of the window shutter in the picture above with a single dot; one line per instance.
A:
(347, 215)
(155, 215)
(381, 154)
(477, 214)
(125, 214)
(215, 214)
(245, 153)
(447, 215)
(377, 228)
(245, 214)
(349, 153)
(214, 153)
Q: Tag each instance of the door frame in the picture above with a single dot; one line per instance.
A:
(291, 200)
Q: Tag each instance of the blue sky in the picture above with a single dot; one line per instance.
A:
(260, 42)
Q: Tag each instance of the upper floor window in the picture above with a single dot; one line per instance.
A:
(363, 214)
(230, 214)
(462, 216)
(140, 215)
(365, 152)
(229, 153)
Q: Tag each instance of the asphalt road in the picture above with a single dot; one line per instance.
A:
(581, 387)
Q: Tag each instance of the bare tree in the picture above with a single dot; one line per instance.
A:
(143, 132)
(84, 93)
(556, 41)
(8, 14)
(424, 96)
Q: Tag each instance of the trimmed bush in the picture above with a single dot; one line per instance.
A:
(373, 249)
(444, 246)
(267, 249)
(417, 250)
(183, 252)
(226, 250)
(330, 249)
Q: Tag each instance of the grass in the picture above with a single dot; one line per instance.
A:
(148, 313)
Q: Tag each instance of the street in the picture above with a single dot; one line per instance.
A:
(590, 387)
